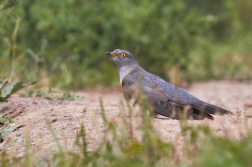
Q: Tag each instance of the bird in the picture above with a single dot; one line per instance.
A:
(166, 99)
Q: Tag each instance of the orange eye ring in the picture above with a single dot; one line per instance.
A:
(122, 55)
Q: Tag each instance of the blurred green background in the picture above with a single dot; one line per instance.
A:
(62, 43)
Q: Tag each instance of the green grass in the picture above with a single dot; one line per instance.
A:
(120, 148)
(51, 95)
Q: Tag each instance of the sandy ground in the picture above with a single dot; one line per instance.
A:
(32, 116)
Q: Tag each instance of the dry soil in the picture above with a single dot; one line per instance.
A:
(32, 116)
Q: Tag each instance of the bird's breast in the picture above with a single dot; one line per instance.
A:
(123, 71)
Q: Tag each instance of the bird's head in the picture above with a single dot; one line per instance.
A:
(122, 58)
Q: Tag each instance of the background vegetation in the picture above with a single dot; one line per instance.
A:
(62, 43)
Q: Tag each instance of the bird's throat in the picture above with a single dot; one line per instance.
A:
(123, 71)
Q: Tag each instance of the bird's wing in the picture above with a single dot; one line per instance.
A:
(133, 85)
(136, 84)
(180, 96)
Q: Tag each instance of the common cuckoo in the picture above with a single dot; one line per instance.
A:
(165, 98)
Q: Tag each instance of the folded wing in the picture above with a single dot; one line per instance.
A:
(134, 86)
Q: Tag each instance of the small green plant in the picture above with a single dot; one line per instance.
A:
(5, 120)
(47, 94)
(6, 90)
(51, 95)
(3, 83)
(69, 96)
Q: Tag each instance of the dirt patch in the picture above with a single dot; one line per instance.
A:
(33, 115)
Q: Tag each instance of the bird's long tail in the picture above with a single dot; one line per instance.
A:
(209, 108)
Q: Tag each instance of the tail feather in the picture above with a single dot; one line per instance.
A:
(209, 108)
(177, 111)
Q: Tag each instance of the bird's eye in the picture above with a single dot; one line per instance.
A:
(122, 55)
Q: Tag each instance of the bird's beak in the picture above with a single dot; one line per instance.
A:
(111, 54)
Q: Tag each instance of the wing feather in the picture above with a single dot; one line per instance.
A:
(133, 85)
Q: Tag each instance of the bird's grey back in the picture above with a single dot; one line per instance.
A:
(175, 94)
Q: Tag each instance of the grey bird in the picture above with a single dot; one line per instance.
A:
(165, 98)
